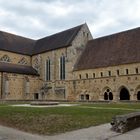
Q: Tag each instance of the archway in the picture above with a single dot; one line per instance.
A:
(124, 94)
(105, 96)
(138, 95)
(110, 96)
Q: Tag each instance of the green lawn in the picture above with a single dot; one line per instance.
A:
(49, 121)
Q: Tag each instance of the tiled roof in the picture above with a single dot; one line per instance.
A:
(20, 69)
(13, 43)
(17, 44)
(56, 41)
(117, 49)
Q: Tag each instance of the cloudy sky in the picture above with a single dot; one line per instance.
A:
(39, 18)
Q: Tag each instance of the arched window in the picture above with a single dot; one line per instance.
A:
(23, 61)
(108, 94)
(62, 67)
(48, 70)
(5, 58)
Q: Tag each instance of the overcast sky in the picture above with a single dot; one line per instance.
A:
(39, 18)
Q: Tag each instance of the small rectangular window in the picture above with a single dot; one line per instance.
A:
(126, 71)
(137, 70)
(79, 76)
(118, 72)
(101, 74)
(109, 73)
(93, 75)
(86, 75)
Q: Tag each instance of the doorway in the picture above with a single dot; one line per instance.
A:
(124, 94)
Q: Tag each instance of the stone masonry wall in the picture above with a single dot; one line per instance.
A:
(16, 86)
(96, 86)
(15, 58)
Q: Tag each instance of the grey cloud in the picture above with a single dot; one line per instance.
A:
(39, 18)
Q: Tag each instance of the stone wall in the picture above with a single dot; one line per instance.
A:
(71, 53)
(16, 86)
(127, 122)
(96, 86)
(15, 58)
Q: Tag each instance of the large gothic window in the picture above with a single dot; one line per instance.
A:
(62, 67)
(5, 58)
(23, 61)
(48, 70)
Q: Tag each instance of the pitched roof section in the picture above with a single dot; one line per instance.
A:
(116, 49)
(13, 43)
(56, 41)
(17, 44)
(20, 69)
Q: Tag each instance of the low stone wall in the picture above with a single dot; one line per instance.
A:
(124, 123)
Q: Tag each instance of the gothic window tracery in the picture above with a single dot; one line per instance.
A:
(23, 61)
(5, 58)
(62, 67)
(48, 70)
(36, 64)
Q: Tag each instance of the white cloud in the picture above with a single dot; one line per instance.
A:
(39, 18)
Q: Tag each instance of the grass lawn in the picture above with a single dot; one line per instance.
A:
(49, 121)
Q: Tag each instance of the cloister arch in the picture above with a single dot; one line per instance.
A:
(137, 93)
(124, 93)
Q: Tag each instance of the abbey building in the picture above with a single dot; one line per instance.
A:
(70, 65)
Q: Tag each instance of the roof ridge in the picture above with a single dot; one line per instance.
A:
(12, 34)
(113, 34)
(117, 49)
(61, 32)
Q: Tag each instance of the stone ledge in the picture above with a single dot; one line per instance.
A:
(127, 122)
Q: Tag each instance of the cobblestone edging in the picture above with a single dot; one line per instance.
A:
(124, 123)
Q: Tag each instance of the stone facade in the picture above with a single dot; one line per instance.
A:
(91, 82)
(118, 82)
(59, 89)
